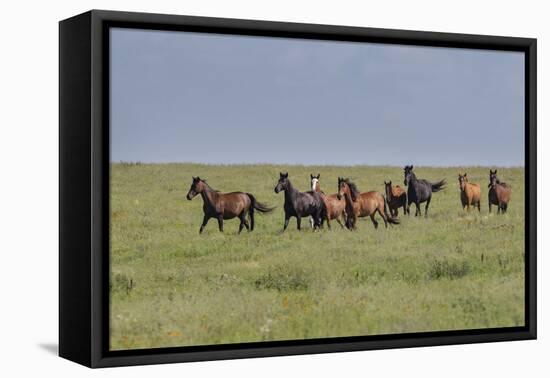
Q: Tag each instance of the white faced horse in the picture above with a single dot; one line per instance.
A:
(315, 187)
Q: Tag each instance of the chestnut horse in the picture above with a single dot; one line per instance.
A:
(335, 206)
(360, 205)
(470, 193)
(500, 193)
(396, 197)
(226, 205)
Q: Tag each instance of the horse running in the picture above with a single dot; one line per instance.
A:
(396, 197)
(419, 190)
(300, 204)
(500, 193)
(470, 193)
(226, 205)
(335, 206)
(362, 204)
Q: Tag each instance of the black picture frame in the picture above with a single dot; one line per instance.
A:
(84, 188)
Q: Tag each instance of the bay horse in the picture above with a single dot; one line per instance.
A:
(470, 193)
(226, 205)
(335, 206)
(419, 190)
(500, 193)
(360, 205)
(300, 204)
(396, 197)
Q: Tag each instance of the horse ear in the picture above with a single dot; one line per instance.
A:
(412, 167)
(286, 174)
(389, 183)
(495, 171)
(318, 176)
(465, 174)
(194, 178)
(311, 176)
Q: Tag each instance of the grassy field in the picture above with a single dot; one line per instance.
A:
(171, 286)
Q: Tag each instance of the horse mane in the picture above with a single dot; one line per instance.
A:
(209, 187)
(353, 189)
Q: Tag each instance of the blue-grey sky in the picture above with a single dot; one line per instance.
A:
(209, 98)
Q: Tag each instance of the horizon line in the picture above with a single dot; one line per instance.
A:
(310, 165)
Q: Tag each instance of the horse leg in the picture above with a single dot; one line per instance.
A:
(339, 220)
(220, 222)
(374, 220)
(381, 212)
(489, 206)
(479, 206)
(418, 211)
(251, 216)
(204, 222)
(311, 222)
(327, 218)
(299, 222)
(427, 205)
(287, 218)
(243, 223)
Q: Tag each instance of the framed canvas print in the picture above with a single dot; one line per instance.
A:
(234, 188)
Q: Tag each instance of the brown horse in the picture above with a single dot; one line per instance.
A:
(226, 205)
(396, 197)
(470, 193)
(335, 206)
(362, 204)
(500, 193)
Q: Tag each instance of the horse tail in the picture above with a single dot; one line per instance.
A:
(256, 205)
(391, 220)
(436, 187)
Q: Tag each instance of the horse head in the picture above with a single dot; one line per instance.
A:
(387, 186)
(315, 185)
(408, 173)
(283, 182)
(462, 180)
(197, 186)
(493, 179)
(345, 186)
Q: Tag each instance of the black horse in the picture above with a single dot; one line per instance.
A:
(419, 190)
(300, 204)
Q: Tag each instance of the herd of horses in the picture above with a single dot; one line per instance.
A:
(345, 206)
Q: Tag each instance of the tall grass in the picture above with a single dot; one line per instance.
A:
(171, 286)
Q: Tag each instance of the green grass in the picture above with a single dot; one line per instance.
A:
(171, 286)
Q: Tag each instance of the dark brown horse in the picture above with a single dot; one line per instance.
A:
(396, 197)
(226, 205)
(500, 193)
(335, 206)
(420, 190)
(362, 204)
